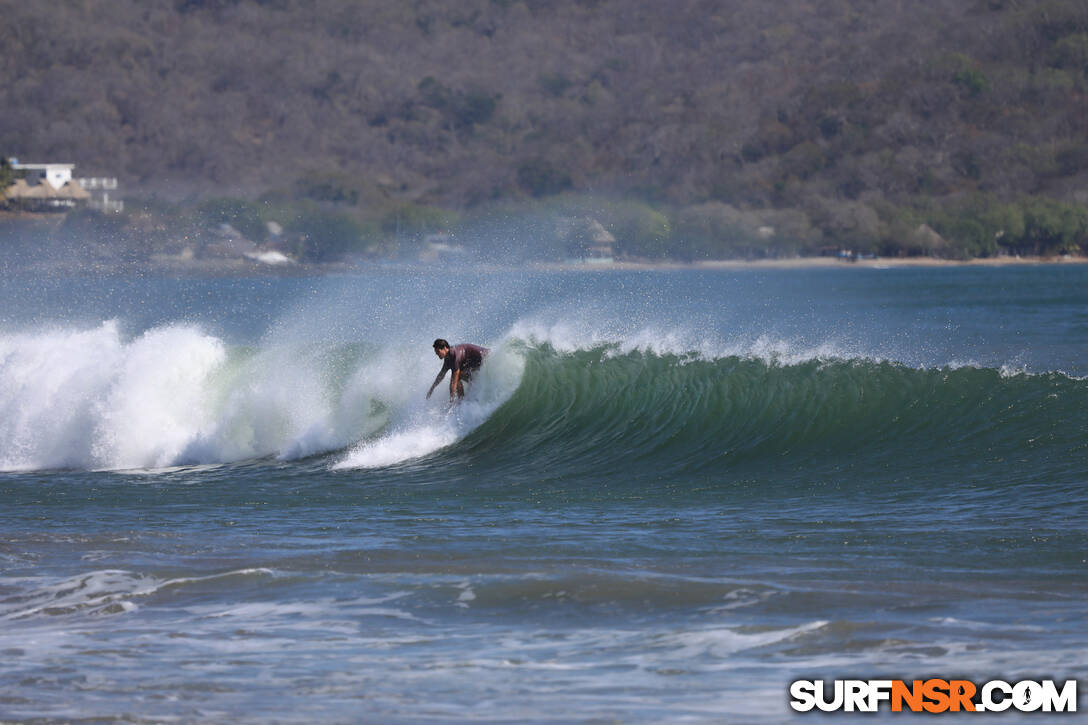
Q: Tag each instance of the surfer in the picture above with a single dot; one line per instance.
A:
(462, 361)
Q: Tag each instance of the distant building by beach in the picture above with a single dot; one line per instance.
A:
(45, 187)
(51, 187)
(56, 175)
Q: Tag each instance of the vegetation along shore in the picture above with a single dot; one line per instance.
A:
(524, 131)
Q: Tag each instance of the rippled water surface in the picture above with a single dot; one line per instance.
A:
(667, 495)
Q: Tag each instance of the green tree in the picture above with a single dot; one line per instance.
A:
(1052, 227)
(1071, 53)
(978, 226)
(972, 80)
(852, 224)
(716, 231)
(415, 220)
(640, 230)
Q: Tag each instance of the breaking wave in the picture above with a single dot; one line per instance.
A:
(175, 395)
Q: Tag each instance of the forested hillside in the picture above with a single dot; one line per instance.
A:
(833, 122)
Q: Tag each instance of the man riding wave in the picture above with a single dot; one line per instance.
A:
(462, 361)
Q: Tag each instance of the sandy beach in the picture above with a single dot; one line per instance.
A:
(222, 267)
(887, 262)
(820, 262)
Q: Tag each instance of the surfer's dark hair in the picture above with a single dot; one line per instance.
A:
(440, 343)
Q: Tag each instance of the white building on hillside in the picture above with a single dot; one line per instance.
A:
(94, 192)
(56, 174)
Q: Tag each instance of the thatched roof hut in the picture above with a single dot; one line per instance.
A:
(44, 193)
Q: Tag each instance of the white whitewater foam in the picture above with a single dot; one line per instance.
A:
(106, 591)
(174, 395)
(415, 441)
(425, 426)
(722, 642)
(87, 398)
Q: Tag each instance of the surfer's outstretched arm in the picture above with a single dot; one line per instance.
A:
(436, 382)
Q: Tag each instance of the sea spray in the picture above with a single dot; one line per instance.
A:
(89, 399)
(92, 399)
(426, 426)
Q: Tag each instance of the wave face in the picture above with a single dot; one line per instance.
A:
(633, 413)
(90, 399)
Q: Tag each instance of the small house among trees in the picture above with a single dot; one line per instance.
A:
(51, 187)
(56, 175)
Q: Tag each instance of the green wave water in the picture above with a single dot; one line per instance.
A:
(631, 415)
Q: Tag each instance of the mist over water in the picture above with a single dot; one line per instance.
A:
(667, 494)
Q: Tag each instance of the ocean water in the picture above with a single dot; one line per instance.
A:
(667, 495)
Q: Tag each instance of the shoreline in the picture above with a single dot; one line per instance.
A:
(889, 262)
(174, 266)
(822, 263)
